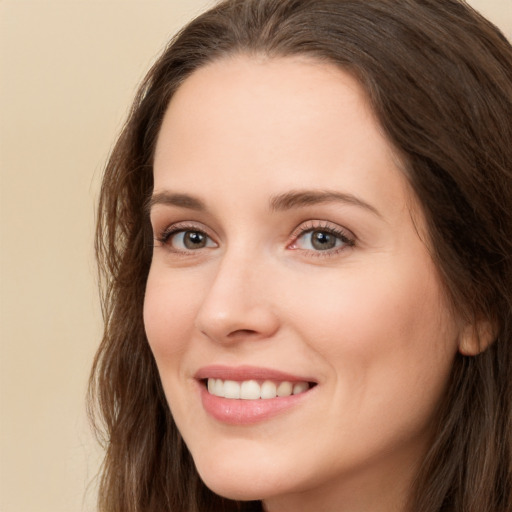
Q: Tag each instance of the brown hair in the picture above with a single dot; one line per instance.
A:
(439, 78)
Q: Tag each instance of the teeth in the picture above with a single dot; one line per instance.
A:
(268, 390)
(231, 389)
(218, 389)
(250, 390)
(284, 389)
(300, 387)
(253, 390)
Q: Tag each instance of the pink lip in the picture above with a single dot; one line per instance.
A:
(247, 412)
(240, 373)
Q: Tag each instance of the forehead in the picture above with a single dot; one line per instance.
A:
(249, 93)
(283, 122)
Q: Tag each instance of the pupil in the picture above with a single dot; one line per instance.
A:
(323, 241)
(194, 240)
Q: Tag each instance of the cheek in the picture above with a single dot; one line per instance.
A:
(390, 348)
(384, 307)
(383, 332)
(169, 312)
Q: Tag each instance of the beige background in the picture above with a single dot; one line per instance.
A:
(68, 70)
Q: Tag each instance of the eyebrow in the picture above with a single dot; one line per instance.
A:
(303, 198)
(280, 202)
(181, 200)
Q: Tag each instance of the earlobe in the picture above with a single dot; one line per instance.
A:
(476, 337)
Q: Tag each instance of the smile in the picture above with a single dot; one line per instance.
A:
(246, 395)
(254, 390)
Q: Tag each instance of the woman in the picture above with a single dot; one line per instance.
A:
(305, 235)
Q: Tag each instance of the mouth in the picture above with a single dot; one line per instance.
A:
(247, 395)
(255, 389)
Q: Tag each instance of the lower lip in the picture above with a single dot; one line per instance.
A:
(247, 412)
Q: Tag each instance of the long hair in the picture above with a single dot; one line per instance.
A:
(439, 79)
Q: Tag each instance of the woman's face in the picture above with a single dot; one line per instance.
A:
(289, 259)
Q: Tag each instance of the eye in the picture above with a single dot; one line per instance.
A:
(319, 238)
(191, 240)
(180, 239)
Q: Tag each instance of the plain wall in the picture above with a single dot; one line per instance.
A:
(68, 71)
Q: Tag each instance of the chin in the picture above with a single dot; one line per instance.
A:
(241, 480)
(237, 487)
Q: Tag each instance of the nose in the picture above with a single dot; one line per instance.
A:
(238, 303)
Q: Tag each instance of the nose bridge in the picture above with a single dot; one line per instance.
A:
(238, 299)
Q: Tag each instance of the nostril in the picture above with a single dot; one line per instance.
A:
(241, 332)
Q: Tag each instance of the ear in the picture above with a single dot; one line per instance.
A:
(476, 337)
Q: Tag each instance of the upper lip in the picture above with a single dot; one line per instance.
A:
(241, 373)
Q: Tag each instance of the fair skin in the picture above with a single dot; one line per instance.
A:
(285, 242)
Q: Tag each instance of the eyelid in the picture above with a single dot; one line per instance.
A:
(349, 239)
(163, 236)
(322, 225)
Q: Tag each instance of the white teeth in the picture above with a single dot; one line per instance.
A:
(268, 389)
(284, 389)
(252, 390)
(300, 387)
(231, 389)
(218, 389)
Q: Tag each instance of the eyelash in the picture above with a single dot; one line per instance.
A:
(166, 235)
(342, 234)
(346, 237)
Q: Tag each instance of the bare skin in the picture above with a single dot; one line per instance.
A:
(284, 241)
